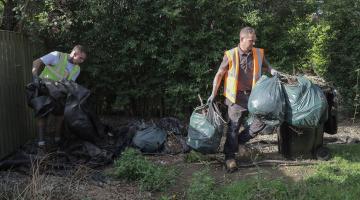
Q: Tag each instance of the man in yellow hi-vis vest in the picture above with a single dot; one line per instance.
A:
(241, 67)
(57, 66)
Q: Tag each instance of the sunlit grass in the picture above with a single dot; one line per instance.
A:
(338, 178)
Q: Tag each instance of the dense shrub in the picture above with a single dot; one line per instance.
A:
(152, 58)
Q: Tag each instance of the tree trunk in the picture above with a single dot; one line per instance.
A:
(9, 21)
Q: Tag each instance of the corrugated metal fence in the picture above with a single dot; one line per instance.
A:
(17, 124)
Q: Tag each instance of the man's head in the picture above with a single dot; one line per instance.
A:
(247, 38)
(78, 55)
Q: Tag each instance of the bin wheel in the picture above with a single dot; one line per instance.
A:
(323, 153)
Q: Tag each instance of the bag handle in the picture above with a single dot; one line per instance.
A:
(211, 110)
(214, 113)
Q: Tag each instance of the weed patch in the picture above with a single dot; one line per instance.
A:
(202, 186)
(134, 167)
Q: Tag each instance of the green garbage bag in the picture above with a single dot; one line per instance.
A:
(150, 139)
(267, 100)
(306, 104)
(205, 129)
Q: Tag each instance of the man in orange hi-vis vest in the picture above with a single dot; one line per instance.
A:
(241, 67)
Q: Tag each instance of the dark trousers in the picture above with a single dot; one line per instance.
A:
(237, 112)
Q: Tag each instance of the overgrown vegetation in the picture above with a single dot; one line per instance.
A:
(134, 167)
(152, 58)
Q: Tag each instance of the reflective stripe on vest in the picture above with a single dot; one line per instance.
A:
(58, 71)
(232, 76)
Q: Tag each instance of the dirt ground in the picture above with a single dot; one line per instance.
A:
(85, 183)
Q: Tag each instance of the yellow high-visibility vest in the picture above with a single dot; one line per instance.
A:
(232, 75)
(58, 71)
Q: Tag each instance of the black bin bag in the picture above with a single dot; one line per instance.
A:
(79, 117)
(205, 129)
(267, 100)
(150, 139)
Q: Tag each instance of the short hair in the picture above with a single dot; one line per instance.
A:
(246, 30)
(79, 48)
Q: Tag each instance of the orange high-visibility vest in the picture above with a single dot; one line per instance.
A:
(232, 75)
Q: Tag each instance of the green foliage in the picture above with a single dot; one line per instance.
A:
(202, 186)
(1, 9)
(319, 35)
(134, 167)
(152, 58)
(344, 21)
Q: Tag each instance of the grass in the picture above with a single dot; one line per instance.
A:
(338, 179)
(133, 166)
(202, 186)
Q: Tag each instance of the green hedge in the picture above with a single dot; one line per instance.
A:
(152, 58)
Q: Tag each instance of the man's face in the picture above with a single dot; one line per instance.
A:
(247, 41)
(79, 57)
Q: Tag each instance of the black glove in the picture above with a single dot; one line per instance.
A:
(37, 81)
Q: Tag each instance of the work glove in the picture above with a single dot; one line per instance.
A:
(210, 99)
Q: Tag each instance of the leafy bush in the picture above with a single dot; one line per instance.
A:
(154, 57)
(133, 166)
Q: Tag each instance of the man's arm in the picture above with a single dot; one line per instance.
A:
(38, 67)
(268, 67)
(218, 78)
(49, 59)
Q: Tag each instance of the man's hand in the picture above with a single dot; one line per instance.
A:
(274, 72)
(210, 99)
